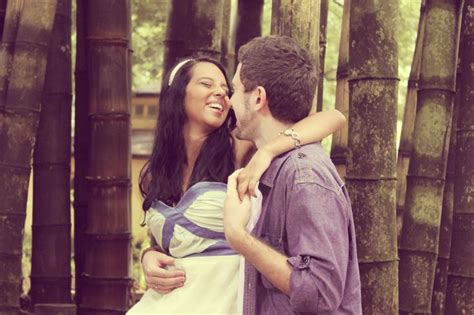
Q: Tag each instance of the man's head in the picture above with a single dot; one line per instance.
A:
(276, 75)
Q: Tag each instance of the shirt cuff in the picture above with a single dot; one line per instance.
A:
(304, 295)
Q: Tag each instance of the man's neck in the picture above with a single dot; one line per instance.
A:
(269, 130)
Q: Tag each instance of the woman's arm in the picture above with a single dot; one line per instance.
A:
(311, 129)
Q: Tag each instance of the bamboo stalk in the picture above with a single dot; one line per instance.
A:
(106, 282)
(339, 138)
(249, 21)
(438, 300)
(17, 138)
(460, 291)
(3, 7)
(225, 38)
(322, 51)
(51, 251)
(200, 35)
(300, 21)
(176, 33)
(419, 240)
(10, 30)
(371, 167)
(205, 28)
(81, 147)
(406, 137)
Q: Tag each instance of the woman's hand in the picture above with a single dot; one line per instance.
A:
(251, 174)
(159, 278)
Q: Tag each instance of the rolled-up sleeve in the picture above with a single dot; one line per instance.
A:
(318, 244)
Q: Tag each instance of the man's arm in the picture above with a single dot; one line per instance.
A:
(314, 274)
(268, 261)
(271, 263)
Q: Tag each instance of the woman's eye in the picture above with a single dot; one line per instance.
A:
(207, 84)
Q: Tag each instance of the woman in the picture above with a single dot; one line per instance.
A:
(184, 188)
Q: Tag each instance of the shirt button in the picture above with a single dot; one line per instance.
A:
(301, 155)
(306, 259)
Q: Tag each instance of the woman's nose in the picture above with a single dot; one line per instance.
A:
(219, 91)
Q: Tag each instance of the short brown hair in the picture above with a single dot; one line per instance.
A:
(285, 70)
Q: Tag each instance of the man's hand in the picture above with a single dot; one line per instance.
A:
(236, 211)
(251, 174)
(157, 276)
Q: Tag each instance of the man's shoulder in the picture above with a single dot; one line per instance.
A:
(311, 164)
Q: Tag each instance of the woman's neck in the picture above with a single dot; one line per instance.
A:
(193, 141)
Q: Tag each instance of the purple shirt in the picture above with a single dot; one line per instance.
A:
(307, 216)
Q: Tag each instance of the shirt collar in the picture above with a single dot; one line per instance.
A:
(270, 174)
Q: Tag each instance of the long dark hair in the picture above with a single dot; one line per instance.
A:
(162, 176)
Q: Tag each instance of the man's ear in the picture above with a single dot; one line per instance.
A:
(261, 101)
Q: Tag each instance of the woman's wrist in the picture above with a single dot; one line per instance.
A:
(148, 249)
(269, 150)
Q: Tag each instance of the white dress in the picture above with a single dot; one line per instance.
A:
(193, 233)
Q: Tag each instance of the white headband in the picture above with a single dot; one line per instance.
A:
(176, 69)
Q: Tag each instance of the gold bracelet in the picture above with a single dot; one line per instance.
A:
(293, 135)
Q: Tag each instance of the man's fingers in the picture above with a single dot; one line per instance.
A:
(242, 185)
(232, 181)
(253, 187)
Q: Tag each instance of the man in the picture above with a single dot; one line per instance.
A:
(301, 256)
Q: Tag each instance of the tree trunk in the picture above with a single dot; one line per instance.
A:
(17, 139)
(51, 250)
(322, 51)
(194, 29)
(419, 238)
(339, 138)
(10, 30)
(460, 291)
(406, 138)
(371, 168)
(106, 283)
(249, 21)
(3, 7)
(81, 147)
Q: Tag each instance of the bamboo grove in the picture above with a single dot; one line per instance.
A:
(414, 210)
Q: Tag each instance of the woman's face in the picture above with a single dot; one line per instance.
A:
(206, 103)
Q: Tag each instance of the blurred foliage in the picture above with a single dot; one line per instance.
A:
(149, 30)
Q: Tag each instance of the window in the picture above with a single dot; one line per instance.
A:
(139, 110)
(152, 110)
